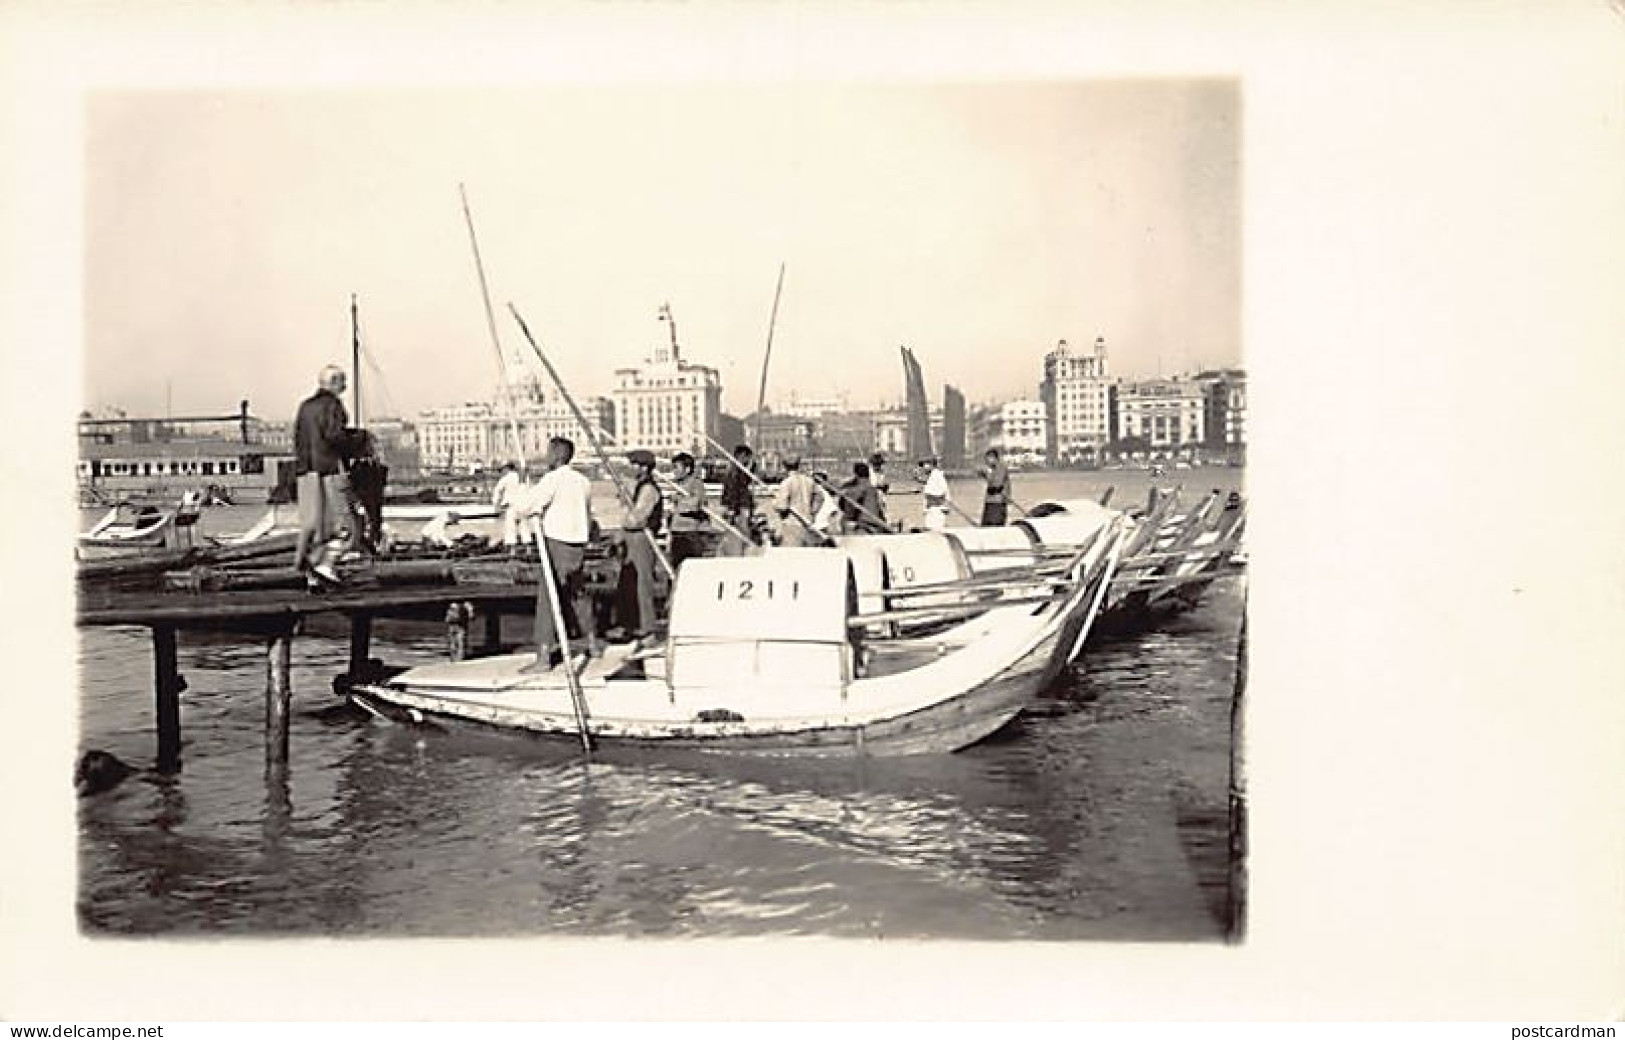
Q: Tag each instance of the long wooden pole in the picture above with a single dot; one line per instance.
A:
(754, 479)
(592, 435)
(562, 630)
(355, 359)
(491, 326)
(767, 355)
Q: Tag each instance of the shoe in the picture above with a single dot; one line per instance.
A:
(326, 573)
(595, 649)
(578, 663)
(313, 586)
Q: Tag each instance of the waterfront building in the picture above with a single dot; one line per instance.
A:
(1165, 413)
(845, 434)
(667, 404)
(730, 432)
(814, 407)
(781, 435)
(891, 431)
(1076, 398)
(480, 434)
(1020, 430)
(1226, 408)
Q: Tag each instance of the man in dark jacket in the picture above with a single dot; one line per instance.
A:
(738, 501)
(319, 442)
(860, 503)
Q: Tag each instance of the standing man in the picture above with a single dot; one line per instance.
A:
(794, 502)
(738, 502)
(880, 482)
(935, 493)
(641, 525)
(860, 503)
(319, 442)
(689, 522)
(996, 500)
(505, 496)
(563, 500)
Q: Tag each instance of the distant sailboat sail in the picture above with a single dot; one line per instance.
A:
(953, 428)
(919, 412)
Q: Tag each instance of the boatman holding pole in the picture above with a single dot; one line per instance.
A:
(794, 502)
(996, 500)
(935, 493)
(644, 514)
(689, 521)
(562, 498)
(738, 501)
(319, 442)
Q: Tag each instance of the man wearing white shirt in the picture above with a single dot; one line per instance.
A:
(563, 500)
(935, 494)
(505, 496)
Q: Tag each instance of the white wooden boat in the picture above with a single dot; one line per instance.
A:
(768, 655)
(128, 529)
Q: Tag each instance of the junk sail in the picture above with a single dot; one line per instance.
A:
(919, 412)
(953, 428)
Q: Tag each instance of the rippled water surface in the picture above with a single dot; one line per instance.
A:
(1098, 815)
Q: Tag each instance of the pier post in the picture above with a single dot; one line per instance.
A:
(278, 694)
(457, 617)
(167, 686)
(360, 645)
(493, 630)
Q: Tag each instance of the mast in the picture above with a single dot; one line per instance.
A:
(355, 360)
(496, 343)
(761, 392)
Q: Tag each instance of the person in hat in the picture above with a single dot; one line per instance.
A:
(738, 502)
(642, 523)
(796, 503)
(562, 499)
(319, 444)
(996, 499)
(935, 493)
(880, 482)
(689, 522)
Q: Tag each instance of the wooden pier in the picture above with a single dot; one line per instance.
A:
(276, 616)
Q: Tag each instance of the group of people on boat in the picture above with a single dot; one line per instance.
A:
(805, 509)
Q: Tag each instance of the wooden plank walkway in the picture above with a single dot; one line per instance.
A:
(275, 615)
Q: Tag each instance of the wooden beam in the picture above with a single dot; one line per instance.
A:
(360, 644)
(167, 686)
(278, 695)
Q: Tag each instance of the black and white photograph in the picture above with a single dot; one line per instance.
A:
(678, 511)
(880, 446)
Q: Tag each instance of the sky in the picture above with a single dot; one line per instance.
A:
(976, 223)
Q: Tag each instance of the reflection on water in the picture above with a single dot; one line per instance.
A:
(1097, 815)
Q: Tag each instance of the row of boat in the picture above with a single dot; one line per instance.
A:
(880, 645)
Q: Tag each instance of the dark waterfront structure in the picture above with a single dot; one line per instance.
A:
(953, 428)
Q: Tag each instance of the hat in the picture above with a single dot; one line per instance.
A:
(792, 460)
(641, 457)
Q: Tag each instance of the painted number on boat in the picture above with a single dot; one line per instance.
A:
(748, 588)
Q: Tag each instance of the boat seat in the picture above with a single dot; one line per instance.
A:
(1072, 522)
(996, 548)
(747, 625)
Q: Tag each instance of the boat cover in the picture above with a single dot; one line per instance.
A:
(1069, 522)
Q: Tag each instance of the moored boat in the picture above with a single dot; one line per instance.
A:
(769, 655)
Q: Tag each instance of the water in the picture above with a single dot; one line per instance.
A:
(1098, 815)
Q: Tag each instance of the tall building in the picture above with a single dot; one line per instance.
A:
(1226, 418)
(667, 404)
(1076, 401)
(1166, 413)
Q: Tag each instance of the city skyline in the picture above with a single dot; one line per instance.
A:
(976, 224)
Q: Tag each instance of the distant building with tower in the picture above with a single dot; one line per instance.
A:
(1076, 398)
(667, 404)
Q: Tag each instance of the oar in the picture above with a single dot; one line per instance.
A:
(592, 437)
(949, 502)
(754, 479)
(562, 630)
